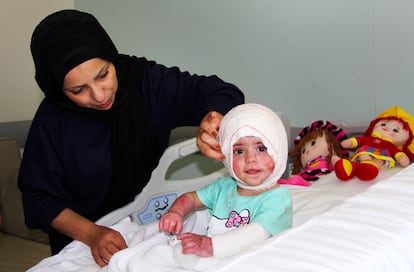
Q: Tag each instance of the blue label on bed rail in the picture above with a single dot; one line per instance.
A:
(155, 208)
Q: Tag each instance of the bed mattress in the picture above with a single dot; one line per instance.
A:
(370, 231)
(337, 226)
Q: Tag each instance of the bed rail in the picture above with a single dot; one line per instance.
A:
(161, 192)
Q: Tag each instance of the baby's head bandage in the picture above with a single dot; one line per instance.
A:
(258, 121)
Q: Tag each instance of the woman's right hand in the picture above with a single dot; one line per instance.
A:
(105, 242)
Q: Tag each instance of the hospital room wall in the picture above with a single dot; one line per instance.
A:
(19, 93)
(313, 59)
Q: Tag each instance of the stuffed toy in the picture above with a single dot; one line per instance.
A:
(387, 141)
(316, 150)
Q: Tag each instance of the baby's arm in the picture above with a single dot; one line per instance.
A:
(172, 221)
(226, 244)
(231, 242)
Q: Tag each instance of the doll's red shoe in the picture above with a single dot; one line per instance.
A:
(345, 169)
(367, 170)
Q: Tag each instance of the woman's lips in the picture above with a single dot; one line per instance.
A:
(106, 105)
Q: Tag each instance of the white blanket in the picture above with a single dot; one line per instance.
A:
(328, 223)
(148, 250)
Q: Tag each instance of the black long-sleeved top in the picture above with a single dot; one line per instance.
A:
(67, 157)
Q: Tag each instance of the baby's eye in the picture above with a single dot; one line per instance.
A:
(262, 149)
(313, 142)
(238, 151)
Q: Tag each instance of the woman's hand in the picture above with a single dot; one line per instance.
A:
(199, 245)
(207, 136)
(105, 242)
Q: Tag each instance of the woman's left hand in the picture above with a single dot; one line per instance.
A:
(207, 136)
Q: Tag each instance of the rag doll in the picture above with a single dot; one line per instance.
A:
(387, 141)
(317, 149)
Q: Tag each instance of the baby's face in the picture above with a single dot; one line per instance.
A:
(251, 162)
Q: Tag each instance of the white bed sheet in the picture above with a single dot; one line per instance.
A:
(372, 231)
(327, 193)
(336, 226)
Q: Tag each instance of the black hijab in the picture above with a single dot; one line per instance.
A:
(68, 38)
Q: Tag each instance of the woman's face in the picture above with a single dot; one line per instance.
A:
(92, 84)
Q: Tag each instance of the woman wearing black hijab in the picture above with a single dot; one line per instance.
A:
(102, 127)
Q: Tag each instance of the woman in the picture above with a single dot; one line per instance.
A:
(102, 128)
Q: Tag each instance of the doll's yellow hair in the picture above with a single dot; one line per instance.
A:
(398, 112)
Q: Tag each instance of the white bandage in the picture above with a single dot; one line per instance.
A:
(234, 241)
(258, 121)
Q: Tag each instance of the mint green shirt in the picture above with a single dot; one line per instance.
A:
(271, 209)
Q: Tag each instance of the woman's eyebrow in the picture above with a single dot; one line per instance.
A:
(103, 69)
(71, 88)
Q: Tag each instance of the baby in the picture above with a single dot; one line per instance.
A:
(247, 207)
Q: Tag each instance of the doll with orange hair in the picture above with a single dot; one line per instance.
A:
(387, 141)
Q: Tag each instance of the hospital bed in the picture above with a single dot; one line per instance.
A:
(337, 226)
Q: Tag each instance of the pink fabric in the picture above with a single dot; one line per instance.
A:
(295, 180)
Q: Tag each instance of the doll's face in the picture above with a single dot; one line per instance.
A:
(313, 149)
(392, 129)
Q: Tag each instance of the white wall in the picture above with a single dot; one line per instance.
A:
(313, 59)
(20, 94)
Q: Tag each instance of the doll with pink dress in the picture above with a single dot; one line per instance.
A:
(316, 150)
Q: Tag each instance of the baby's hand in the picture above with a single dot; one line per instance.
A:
(171, 222)
(199, 245)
